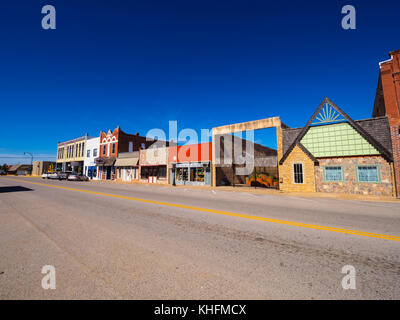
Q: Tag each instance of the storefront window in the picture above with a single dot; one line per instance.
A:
(144, 173)
(197, 174)
(182, 174)
(162, 172)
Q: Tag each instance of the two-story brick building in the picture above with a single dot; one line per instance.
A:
(387, 103)
(111, 144)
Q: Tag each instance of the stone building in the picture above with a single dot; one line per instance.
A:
(334, 153)
(387, 103)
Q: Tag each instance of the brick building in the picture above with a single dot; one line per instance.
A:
(111, 144)
(334, 153)
(387, 103)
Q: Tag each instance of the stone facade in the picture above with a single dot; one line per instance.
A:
(350, 183)
(286, 172)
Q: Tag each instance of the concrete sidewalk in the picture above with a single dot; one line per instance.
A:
(258, 190)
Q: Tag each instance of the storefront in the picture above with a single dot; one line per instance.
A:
(154, 174)
(127, 165)
(153, 165)
(194, 173)
(106, 168)
(190, 164)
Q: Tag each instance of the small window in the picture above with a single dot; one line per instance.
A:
(298, 173)
(368, 174)
(113, 148)
(333, 174)
(88, 153)
(130, 146)
(104, 149)
(95, 152)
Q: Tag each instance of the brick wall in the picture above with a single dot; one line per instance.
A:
(387, 102)
(350, 184)
(286, 172)
(394, 133)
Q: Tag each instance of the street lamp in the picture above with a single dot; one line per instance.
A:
(174, 172)
(31, 159)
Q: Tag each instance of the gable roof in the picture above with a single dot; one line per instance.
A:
(361, 128)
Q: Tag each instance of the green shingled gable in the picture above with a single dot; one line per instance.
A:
(336, 140)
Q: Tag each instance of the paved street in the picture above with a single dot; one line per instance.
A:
(121, 247)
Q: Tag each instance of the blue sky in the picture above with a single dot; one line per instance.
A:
(139, 64)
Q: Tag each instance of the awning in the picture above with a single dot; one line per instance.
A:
(105, 161)
(126, 162)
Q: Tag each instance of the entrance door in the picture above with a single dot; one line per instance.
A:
(108, 176)
(153, 172)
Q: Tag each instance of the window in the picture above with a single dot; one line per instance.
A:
(333, 174)
(298, 173)
(113, 148)
(162, 171)
(104, 149)
(83, 148)
(182, 174)
(130, 146)
(144, 172)
(88, 153)
(72, 153)
(197, 174)
(368, 173)
(95, 152)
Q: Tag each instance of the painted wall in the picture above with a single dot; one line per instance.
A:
(191, 153)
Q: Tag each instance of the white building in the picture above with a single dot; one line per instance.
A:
(92, 148)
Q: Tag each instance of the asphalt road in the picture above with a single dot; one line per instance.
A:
(107, 247)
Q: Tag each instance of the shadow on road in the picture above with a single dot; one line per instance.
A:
(13, 189)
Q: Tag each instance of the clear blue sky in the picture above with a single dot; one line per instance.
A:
(141, 63)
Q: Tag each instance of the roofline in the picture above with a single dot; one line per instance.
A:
(385, 61)
(386, 154)
(85, 137)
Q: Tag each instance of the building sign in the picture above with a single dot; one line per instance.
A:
(99, 161)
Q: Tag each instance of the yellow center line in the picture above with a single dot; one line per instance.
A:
(226, 213)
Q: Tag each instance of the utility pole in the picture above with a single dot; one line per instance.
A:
(31, 160)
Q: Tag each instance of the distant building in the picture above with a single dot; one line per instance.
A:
(40, 167)
(20, 169)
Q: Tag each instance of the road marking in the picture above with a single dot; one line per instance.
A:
(227, 213)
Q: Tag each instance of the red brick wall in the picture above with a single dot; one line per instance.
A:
(390, 78)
